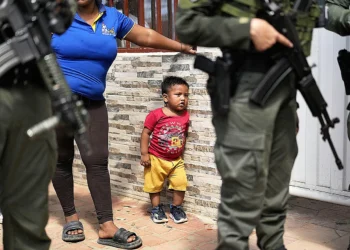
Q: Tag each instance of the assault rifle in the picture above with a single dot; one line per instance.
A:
(294, 60)
(26, 27)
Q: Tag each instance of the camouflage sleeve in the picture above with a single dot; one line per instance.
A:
(338, 16)
(195, 27)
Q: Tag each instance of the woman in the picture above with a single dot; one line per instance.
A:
(85, 52)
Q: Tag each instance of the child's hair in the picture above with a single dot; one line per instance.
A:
(170, 81)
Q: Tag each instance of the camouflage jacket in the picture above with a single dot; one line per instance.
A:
(196, 28)
(199, 23)
(338, 16)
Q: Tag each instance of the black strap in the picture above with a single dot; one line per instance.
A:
(299, 5)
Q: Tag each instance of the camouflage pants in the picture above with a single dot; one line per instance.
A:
(255, 152)
(26, 167)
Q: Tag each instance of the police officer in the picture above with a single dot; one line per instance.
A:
(26, 165)
(338, 22)
(256, 147)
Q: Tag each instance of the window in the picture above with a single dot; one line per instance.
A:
(155, 14)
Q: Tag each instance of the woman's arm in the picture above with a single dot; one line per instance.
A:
(149, 38)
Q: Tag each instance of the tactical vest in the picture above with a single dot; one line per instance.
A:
(305, 22)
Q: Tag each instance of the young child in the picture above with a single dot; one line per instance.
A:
(162, 158)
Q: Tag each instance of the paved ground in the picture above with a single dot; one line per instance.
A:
(311, 225)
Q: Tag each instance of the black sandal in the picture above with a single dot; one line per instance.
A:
(120, 240)
(71, 226)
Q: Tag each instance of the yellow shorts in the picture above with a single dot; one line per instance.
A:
(159, 170)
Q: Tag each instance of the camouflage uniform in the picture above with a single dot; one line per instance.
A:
(256, 147)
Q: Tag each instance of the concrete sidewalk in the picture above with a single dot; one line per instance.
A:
(311, 225)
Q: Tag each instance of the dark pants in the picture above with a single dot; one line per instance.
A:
(96, 164)
(26, 167)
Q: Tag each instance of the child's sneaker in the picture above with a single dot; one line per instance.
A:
(158, 214)
(177, 214)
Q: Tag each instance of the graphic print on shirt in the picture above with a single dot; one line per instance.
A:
(172, 137)
(106, 31)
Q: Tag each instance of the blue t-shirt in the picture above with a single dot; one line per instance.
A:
(85, 54)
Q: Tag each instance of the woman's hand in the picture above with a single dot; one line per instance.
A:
(188, 49)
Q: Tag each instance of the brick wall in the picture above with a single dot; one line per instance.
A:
(133, 89)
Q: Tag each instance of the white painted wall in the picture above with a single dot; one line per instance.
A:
(315, 173)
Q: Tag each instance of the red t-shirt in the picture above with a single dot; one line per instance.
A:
(168, 134)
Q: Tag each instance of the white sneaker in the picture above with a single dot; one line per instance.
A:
(1, 218)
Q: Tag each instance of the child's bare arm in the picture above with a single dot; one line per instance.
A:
(186, 136)
(145, 135)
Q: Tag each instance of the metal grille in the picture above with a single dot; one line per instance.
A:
(158, 15)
